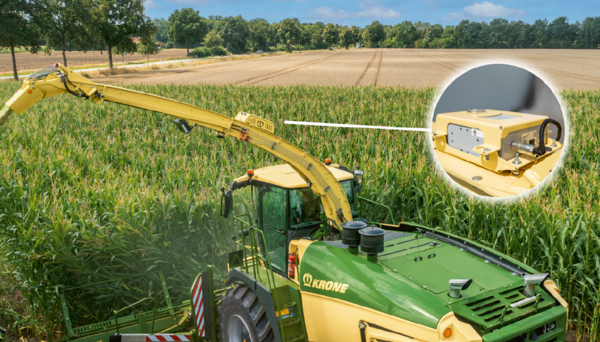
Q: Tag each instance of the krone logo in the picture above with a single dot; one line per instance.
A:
(308, 281)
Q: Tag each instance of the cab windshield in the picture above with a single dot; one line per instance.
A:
(305, 205)
(305, 208)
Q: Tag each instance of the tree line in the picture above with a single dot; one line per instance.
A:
(110, 25)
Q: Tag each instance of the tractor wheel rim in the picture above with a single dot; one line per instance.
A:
(237, 330)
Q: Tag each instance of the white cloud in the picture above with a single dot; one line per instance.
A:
(486, 10)
(370, 9)
(150, 4)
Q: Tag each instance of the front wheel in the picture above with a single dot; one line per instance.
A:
(242, 318)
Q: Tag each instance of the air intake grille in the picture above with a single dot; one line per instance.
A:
(495, 309)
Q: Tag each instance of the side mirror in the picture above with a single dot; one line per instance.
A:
(358, 179)
(226, 203)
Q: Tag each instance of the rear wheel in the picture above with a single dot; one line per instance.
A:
(242, 318)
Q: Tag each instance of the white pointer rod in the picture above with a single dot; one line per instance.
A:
(304, 123)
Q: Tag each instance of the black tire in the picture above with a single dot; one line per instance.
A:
(241, 304)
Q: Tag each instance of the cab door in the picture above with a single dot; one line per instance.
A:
(273, 222)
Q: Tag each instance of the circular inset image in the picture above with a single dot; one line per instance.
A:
(498, 130)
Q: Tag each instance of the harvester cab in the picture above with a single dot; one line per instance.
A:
(284, 207)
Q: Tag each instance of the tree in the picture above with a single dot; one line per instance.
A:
(63, 23)
(147, 47)
(273, 35)
(213, 39)
(162, 35)
(540, 33)
(459, 33)
(117, 21)
(289, 33)
(234, 32)
(330, 35)
(17, 29)
(524, 40)
(405, 34)
(447, 41)
(560, 33)
(259, 33)
(498, 33)
(515, 28)
(374, 34)
(187, 28)
(356, 31)
(305, 36)
(347, 37)
(590, 33)
(432, 32)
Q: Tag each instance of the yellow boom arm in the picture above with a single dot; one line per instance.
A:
(246, 127)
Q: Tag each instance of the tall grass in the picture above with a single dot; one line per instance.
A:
(90, 193)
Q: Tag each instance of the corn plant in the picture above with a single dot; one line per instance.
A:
(95, 192)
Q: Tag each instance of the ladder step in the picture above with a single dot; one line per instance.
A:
(287, 305)
(287, 323)
(295, 338)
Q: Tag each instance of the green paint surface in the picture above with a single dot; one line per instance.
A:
(369, 284)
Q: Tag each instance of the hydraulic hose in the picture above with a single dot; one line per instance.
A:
(541, 149)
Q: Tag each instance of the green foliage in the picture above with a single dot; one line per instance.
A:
(347, 37)
(62, 24)
(259, 33)
(201, 51)
(330, 35)
(213, 39)
(162, 35)
(234, 32)
(16, 29)
(218, 51)
(116, 21)
(374, 34)
(289, 33)
(187, 28)
(357, 33)
(93, 192)
(147, 47)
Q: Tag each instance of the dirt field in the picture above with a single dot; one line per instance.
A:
(27, 61)
(565, 69)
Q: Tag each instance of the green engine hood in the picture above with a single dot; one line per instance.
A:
(410, 279)
(334, 272)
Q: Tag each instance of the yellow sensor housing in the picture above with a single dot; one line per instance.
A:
(492, 138)
(493, 152)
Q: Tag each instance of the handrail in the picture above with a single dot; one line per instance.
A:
(243, 244)
(117, 312)
(242, 222)
(271, 287)
(379, 204)
(118, 279)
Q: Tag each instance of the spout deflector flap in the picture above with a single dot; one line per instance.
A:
(5, 113)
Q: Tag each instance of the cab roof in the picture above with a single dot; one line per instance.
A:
(285, 176)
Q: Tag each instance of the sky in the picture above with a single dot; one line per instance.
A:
(388, 12)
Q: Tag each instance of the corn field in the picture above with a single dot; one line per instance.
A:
(95, 192)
